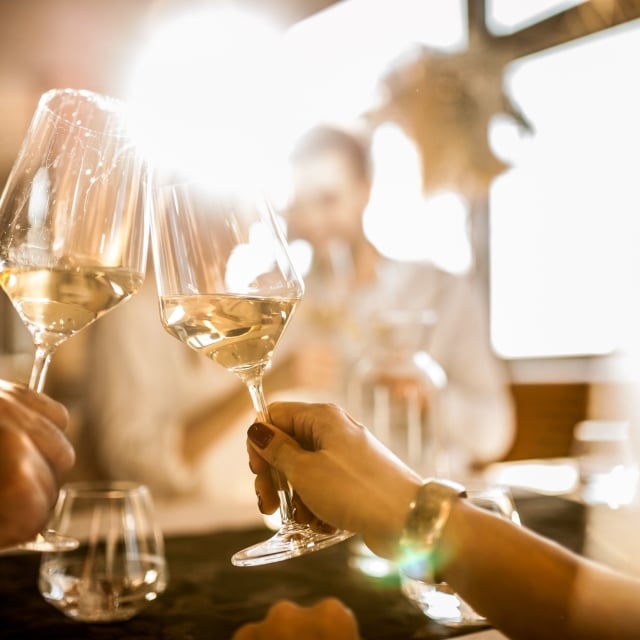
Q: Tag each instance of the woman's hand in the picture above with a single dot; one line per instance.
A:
(35, 452)
(341, 475)
(327, 620)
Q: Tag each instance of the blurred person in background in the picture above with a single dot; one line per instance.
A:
(349, 281)
(161, 414)
(152, 410)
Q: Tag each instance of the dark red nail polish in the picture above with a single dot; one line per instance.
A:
(260, 434)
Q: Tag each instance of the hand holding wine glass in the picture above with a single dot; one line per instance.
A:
(227, 289)
(72, 230)
(35, 452)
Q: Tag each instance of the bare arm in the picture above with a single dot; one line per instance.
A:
(532, 588)
(527, 586)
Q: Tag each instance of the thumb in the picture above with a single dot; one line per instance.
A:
(276, 447)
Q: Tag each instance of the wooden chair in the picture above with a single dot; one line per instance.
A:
(546, 415)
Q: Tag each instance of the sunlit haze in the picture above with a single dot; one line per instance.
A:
(433, 227)
(204, 93)
(223, 94)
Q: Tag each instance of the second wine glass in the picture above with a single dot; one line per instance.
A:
(73, 235)
(227, 289)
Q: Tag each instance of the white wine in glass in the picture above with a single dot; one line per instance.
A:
(73, 231)
(227, 289)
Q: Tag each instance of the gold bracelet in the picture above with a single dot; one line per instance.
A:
(427, 517)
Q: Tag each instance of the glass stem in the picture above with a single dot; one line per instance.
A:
(254, 384)
(40, 368)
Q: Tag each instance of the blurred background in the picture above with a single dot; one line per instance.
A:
(518, 120)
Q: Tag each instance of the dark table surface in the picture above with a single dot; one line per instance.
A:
(208, 598)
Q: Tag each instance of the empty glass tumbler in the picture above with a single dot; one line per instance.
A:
(119, 566)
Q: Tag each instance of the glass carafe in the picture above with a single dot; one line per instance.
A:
(394, 390)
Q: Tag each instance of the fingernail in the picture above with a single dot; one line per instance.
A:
(260, 434)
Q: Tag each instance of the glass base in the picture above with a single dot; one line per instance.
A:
(49, 540)
(442, 604)
(289, 542)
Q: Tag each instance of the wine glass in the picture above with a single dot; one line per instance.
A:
(120, 567)
(73, 235)
(227, 289)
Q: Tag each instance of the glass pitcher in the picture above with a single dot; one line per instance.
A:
(394, 390)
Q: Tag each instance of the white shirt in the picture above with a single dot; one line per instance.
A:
(145, 384)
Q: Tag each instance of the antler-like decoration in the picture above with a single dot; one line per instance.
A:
(445, 102)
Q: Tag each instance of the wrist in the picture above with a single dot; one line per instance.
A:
(419, 554)
(385, 524)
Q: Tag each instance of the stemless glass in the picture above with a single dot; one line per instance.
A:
(73, 235)
(227, 289)
(120, 566)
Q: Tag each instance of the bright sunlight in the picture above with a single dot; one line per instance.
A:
(224, 95)
(204, 94)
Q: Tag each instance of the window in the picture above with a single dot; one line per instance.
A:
(565, 222)
(507, 16)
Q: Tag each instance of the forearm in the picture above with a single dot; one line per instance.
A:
(527, 586)
(532, 588)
